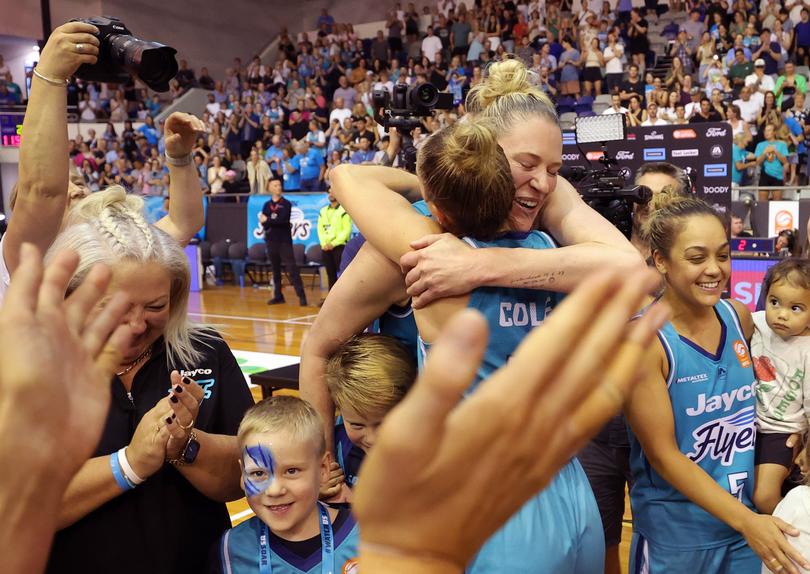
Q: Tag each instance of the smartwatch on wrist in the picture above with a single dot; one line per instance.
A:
(189, 452)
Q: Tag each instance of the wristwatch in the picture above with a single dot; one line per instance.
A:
(189, 453)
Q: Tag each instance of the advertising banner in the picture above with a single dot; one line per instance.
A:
(154, 210)
(702, 150)
(747, 276)
(782, 215)
(304, 218)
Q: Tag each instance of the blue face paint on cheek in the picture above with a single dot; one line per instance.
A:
(258, 469)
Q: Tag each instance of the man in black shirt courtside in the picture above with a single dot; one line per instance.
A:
(275, 218)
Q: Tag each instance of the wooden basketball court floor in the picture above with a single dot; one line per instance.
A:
(249, 324)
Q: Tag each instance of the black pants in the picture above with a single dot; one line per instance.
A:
(281, 253)
(331, 260)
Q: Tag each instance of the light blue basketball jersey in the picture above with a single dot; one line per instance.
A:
(713, 406)
(510, 312)
(559, 529)
(239, 551)
(399, 323)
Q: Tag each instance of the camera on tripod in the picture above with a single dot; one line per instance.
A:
(122, 55)
(403, 110)
(605, 188)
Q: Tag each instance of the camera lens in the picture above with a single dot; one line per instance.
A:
(152, 62)
(425, 95)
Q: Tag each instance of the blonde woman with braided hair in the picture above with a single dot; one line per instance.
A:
(155, 487)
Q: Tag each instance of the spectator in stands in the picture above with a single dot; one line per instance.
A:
(682, 50)
(205, 81)
(718, 105)
(216, 175)
(738, 125)
(312, 167)
(364, 153)
(759, 81)
(652, 118)
(634, 111)
(748, 105)
(431, 45)
(788, 84)
(705, 55)
(769, 51)
(771, 155)
(615, 106)
(802, 34)
(569, 73)
(633, 85)
(614, 70)
(592, 61)
(345, 93)
(741, 161)
(769, 114)
(639, 43)
(706, 113)
(547, 82)
(740, 69)
(185, 76)
(258, 173)
(675, 74)
(460, 32)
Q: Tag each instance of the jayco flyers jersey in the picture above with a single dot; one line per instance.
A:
(714, 409)
(510, 312)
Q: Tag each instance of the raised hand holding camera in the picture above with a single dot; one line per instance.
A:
(69, 46)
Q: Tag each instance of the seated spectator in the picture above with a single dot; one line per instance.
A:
(633, 85)
(634, 111)
(740, 68)
(652, 118)
(769, 113)
(718, 104)
(284, 461)
(185, 76)
(205, 81)
(731, 55)
(693, 107)
(706, 113)
(676, 73)
(364, 153)
(341, 111)
(615, 106)
(738, 125)
(546, 81)
(668, 112)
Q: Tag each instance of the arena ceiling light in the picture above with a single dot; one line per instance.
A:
(601, 128)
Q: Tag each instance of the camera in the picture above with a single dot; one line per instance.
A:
(403, 109)
(122, 55)
(605, 189)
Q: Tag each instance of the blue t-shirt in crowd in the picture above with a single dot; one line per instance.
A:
(311, 164)
(361, 156)
(803, 34)
(272, 152)
(737, 154)
(150, 133)
(772, 167)
(292, 177)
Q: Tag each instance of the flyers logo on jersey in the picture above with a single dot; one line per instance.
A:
(352, 566)
(741, 350)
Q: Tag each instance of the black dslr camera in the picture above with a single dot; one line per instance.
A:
(404, 108)
(122, 55)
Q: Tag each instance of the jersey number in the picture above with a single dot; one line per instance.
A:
(736, 484)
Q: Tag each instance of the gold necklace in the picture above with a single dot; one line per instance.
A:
(143, 356)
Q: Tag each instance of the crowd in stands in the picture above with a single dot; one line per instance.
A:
(676, 63)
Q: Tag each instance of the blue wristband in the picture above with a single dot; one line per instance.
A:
(118, 474)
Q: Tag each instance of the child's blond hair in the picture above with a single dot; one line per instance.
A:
(370, 374)
(283, 413)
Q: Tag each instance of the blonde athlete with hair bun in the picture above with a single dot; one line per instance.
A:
(154, 489)
(559, 528)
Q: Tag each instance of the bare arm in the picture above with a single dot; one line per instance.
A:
(216, 472)
(368, 194)
(186, 215)
(42, 186)
(368, 286)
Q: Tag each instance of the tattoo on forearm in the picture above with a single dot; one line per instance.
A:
(538, 280)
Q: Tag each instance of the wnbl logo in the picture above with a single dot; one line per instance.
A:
(721, 438)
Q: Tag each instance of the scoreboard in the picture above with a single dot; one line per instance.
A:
(10, 128)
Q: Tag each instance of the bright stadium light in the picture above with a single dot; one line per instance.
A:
(600, 129)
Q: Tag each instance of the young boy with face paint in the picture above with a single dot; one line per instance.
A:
(284, 461)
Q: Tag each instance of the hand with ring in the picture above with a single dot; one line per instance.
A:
(69, 46)
(184, 400)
